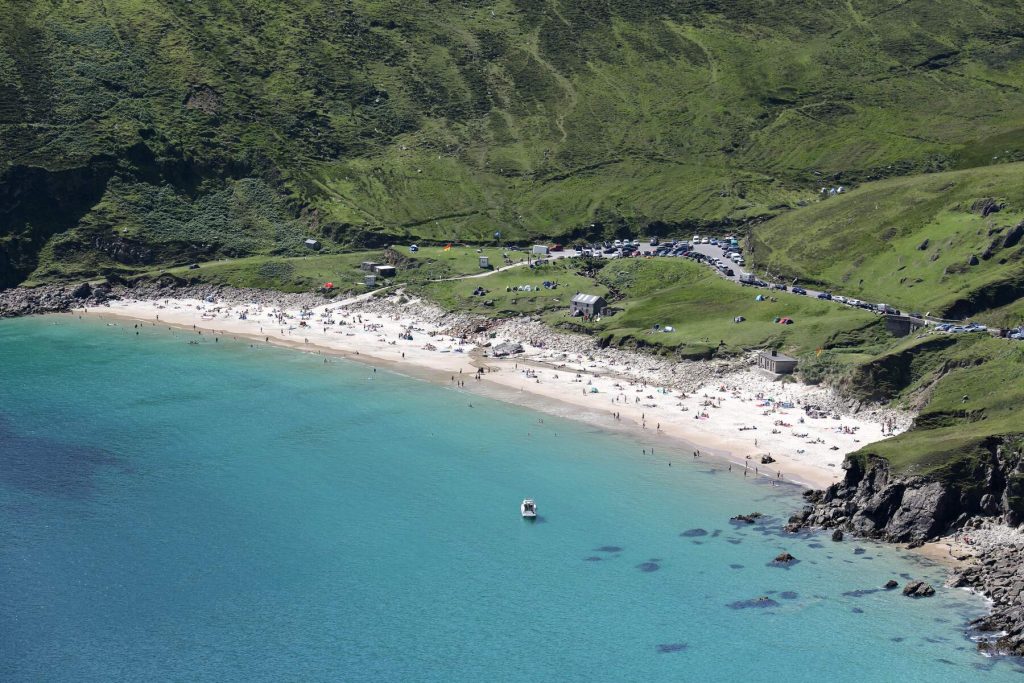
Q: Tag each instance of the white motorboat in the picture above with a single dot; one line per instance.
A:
(529, 509)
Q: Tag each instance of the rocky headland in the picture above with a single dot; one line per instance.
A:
(978, 516)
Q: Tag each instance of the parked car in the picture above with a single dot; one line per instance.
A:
(798, 290)
(825, 295)
(414, 247)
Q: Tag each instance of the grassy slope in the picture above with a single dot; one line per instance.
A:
(701, 306)
(383, 120)
(905, 241)
(696, 302)
(971, 390)
(310, 271)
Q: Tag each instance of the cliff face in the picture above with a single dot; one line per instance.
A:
(875, 502)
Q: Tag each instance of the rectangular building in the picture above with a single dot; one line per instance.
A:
(587, 304)
(776, 363)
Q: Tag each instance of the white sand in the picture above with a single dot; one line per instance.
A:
(727, 417)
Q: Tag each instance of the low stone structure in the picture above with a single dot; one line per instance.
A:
(776, 363)
(902, 325)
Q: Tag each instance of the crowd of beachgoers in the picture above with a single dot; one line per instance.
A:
(782, 429)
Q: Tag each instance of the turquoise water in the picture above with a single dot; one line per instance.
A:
(221, 512)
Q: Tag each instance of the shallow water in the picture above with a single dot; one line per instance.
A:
(224, 512)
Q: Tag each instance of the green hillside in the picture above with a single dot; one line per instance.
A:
(946, 243)
(142, 133)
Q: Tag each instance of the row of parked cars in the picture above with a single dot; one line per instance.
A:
(972, 327)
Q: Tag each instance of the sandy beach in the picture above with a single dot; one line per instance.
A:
(732, 412)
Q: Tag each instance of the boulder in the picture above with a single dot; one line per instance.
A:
(989, 505)
(784, 558)
(973, 260)
(1014, 236)
(837, 535)
(891, 584)
(986, 206)
(918, 589)
(747, 519)
(82, 291)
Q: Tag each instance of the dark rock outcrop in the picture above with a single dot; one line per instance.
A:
(986, 491)
(837, 535)
(746, 519)
(918, 589)
(1014, 236)
(19, 301)
(871, 502)
(784, 558)
(987, 206)
(891, 584)
(999, 577)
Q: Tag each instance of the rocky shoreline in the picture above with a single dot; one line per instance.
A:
(22, 301)
(981, 525)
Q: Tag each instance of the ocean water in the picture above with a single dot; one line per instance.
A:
(221, 512)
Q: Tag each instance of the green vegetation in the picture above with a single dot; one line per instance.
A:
(909, 241)
(506, 291)
(140, 137)
(379, 122)
(701, 307)
(970, 390)
(311, 271)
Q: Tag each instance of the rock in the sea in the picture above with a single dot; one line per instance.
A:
(918, 589)
(837, 535)
(784, 558)
(890, 584)
(747, 519)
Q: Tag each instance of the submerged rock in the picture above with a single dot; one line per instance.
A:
(761, 602)
(672, 647)
(837, 535)
(890, 584)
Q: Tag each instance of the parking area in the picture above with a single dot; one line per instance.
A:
(725, 256)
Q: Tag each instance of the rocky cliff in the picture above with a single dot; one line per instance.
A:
(875, 502)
